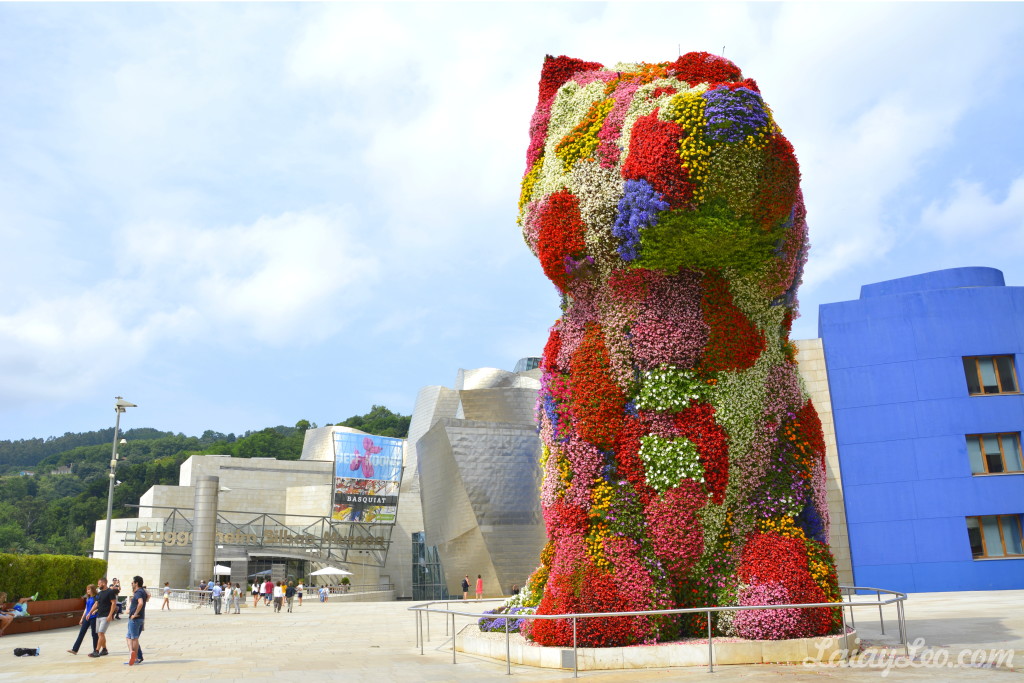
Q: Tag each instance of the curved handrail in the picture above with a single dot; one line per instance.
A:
(846, 602)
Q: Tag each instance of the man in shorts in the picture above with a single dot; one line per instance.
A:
(136, 620)
(103, 608)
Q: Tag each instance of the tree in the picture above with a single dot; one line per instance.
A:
(380, 421)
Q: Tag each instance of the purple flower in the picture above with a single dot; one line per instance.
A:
(732, 115)
(637, 209)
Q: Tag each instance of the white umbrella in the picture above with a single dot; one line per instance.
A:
(330, 570)
(221, 570)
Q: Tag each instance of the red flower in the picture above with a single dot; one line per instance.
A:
(558, 70)
(560, 235)
(734, 343)
(627, 454)
(654, 157)
(597, 403)
(704, 67)
(549, 361)
(697, 423)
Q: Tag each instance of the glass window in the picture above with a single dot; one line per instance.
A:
(974, 535)
(994, 453)
(995, 536)
(1011, 452)
(1007, 376)
(1010, 526)
(974, 454)
(990, 375)
(990, 534)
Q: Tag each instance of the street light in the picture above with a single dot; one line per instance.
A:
(120, 405)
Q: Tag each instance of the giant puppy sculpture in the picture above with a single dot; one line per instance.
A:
(683, 463)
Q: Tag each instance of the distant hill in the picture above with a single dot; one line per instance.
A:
(27, 453)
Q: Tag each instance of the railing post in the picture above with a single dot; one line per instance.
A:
(853, 621)
(508, 651)
(428, 624)
(575, 655)
(419, 630)
(881, 619)
(446, 606)
(846, 638)
(711, 652)
(453, 637)
(901, 615)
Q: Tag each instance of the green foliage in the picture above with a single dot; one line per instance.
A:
(28, 453)
(54, 577)
(710, 237)
(283, 443)
(380, 421)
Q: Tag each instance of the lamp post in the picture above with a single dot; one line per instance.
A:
(120, 405)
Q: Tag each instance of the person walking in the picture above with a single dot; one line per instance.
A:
(278, 595)
(103, 608)
(289, 596)
(268, 592)
(236, 598)
(167, 597)
(136, 620)
(255, 591)
(479, 587)
(216, 593)
(88, 620)
(298, 591)
(465, 587)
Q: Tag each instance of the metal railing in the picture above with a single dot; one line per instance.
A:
(197, 598)
(847, 594)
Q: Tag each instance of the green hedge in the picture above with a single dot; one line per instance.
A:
(54, 577)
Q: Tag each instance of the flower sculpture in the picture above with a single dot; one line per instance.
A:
(683, 463)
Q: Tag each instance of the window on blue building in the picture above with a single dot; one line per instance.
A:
(990, 375)
(994, 536)
(994, 453)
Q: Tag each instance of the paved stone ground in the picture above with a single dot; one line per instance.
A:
(375, 642)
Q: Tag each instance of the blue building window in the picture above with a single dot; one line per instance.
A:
(990, 375)
(994, 536)
(994, 453)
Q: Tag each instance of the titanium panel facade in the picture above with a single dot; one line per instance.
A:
(479, 478)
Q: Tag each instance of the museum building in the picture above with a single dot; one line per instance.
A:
(925, 392)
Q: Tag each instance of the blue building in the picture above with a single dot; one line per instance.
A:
(924, 379)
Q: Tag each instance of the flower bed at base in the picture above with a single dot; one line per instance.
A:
(680, 653)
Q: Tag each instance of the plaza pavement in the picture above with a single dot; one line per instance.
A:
(376, 642)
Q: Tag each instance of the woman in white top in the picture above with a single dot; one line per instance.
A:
(278, 594)
(298, 591)
(255, 592)
(167, 597)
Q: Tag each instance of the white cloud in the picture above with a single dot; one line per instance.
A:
(970, 213)
(271, 280)
(283, 280)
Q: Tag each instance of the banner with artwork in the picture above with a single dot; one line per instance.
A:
(367, 475)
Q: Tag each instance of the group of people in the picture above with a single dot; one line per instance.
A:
(225, 597)
(276, 593)
(102, 607)
(479, 587)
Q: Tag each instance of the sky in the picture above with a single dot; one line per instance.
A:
(243, 215)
